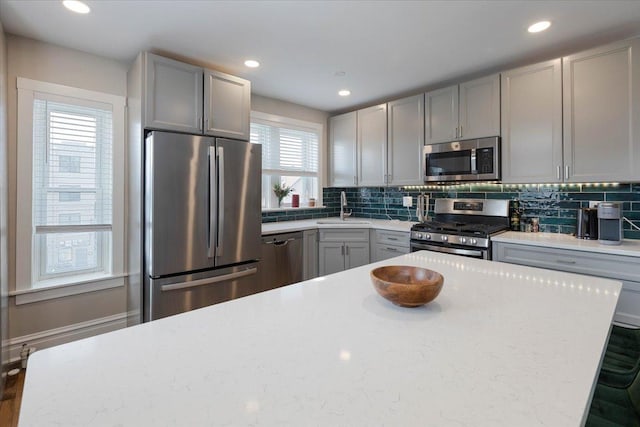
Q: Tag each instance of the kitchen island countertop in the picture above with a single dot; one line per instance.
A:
(502, 345)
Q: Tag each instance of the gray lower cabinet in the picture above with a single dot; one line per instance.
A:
(310, 242)
(617, 267)
(342, 249)
(388, 244)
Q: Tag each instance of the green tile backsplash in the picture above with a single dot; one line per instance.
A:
(555, 205)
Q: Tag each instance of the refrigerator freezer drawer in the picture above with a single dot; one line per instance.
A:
(173, 295)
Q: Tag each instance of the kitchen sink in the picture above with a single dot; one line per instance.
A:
(339, 221)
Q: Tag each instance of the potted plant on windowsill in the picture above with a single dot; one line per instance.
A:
(281, 191)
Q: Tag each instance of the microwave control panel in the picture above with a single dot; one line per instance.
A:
(484, 160)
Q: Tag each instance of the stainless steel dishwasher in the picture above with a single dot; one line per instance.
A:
(282, 259)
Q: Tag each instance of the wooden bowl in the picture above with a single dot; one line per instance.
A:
(407, 286)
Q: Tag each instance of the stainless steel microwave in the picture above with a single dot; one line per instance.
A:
(470, 160)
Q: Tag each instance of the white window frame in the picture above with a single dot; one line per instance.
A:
(27, 289)
(276, 120)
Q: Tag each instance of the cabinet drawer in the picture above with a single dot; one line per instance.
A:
(589, 263)
(395, 238)
(344, 235)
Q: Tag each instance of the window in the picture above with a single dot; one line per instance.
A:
(70, 143)
(290, 156)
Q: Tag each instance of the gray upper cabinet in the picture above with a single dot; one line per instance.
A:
(441, 115)
(532, 123)
(227, 105)
(173, 95)
(405, 141)
(342, 150)
(601, 103)
(480, 108)
(466, 111)
(372, 145)
(185, 98)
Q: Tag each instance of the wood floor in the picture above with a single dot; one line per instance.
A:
(10, 403)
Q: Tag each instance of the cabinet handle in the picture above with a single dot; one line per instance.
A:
(455, 131)
(566, 172)
(565, 261)
(347, 247)
(342, 250)
(355, 180)
(389, 179)
(206, 124)
(460, 131)
(392, 238)
(391, 249)
(558, 172)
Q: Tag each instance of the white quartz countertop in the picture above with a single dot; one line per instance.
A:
(628, 247)
(379, 224)
(502, 345)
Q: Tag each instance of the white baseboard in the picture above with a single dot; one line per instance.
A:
(65, 334)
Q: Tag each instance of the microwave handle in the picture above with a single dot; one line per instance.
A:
(474, 168)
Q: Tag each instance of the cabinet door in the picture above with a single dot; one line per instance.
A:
(383, 252)
(173, 99)
(342, 150)
(441, 115)
(356, 254)
(601, 109)
(227, 105)
(330, 257)
(532, 123)
(372, 145)
(480, 108)
(405, 141)
(628, 308)
(310, 268)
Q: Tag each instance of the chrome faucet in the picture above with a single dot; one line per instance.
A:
(343, 204)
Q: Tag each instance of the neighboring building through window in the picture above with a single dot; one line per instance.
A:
(71, 145)
(290, 156)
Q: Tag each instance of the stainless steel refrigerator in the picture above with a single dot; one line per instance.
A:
(202, 222)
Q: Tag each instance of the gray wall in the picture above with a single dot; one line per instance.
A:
(45, 62)
(4, 314)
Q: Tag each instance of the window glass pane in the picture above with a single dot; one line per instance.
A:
(64, 253)
(72, 186)
(290, 156)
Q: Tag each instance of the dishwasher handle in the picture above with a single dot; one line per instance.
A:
(280, 242)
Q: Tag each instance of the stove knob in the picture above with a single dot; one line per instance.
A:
(427, 236)
(419, 235)
(473, 241)
(444, 238)
(463, 240)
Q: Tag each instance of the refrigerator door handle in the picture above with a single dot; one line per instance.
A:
(212, 202)
(209, 281)
(220, 244)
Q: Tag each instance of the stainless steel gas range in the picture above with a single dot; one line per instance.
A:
(462, 227)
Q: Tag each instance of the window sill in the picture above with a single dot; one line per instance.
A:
(52, 289)
(289, 208)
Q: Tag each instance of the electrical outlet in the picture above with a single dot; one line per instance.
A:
(407, 201)
(593, 204)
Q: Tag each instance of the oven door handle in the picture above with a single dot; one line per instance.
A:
(455, 251)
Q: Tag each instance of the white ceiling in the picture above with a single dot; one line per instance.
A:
(386, 48)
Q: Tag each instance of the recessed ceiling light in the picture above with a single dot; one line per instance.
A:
(76, 6)
(344, 92)
(251, 63)
(539, 26)
(339, 74)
